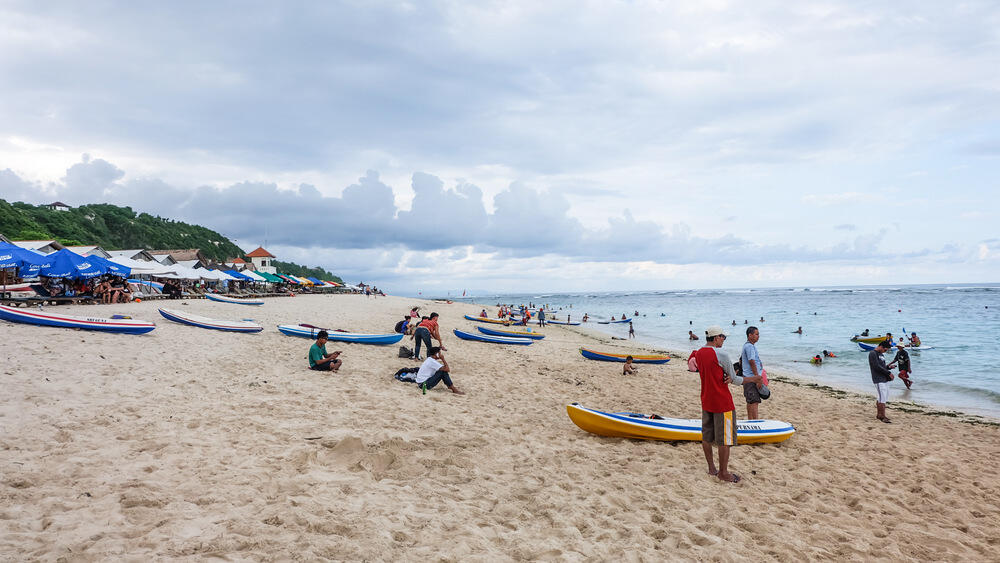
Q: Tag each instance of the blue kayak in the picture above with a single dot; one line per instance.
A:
(312, 331)
(493, 339)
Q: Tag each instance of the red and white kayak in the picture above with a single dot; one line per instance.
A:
(186, 318)
(47, 317)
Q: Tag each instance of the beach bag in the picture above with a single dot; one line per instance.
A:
(738, 368)
(692, 363)
(407, 375)
(405, 352)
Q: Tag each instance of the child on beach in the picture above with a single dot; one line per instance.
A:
(628, 368)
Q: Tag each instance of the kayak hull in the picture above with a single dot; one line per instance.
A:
(642, 427)
(311, 332)
(493, 339)
(509, 333)
(199, 321)
(486, 320)
(868, 339)
(224, 299)
(45, 318)
(636, 358)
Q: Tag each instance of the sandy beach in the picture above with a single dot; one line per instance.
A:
(192, 444)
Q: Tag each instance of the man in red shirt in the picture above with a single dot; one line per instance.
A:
(718, 413)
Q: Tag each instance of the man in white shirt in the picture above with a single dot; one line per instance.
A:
(435, 369)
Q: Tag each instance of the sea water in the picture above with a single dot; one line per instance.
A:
(960, 322)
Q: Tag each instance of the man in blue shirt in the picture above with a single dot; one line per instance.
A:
(750, 362)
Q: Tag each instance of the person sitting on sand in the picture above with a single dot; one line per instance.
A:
(692, 336)
(628, 368)
(403, 326)
(319, 359)
(483, 314)
(434, 370)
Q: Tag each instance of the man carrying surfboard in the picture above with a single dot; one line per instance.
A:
(718, 413)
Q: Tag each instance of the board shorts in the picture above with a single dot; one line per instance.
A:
(751, 393)
(719, 427)
(882, 392)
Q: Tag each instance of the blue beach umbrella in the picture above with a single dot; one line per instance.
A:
(112, 267)
(68, 264)
(26, 261)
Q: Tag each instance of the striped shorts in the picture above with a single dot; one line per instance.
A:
(719, 427)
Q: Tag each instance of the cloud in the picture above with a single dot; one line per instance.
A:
(845, 227)
(826, 200)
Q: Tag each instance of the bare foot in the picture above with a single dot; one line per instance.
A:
(456, 391)
(713, 471)
(729, 477)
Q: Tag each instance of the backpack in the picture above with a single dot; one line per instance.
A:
(407, 375)
(405, 352)
(399, 327)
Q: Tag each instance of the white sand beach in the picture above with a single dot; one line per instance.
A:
(192, 444)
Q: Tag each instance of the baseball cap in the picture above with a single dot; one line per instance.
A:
(764, 392)
(714, 330)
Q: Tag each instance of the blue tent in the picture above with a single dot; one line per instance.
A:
(111, 267)
(26, 261)
(239, 276)
(315, 281)
(68, 264)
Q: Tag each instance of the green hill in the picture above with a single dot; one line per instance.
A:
(116, 228)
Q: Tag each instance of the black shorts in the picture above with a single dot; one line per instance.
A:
(751, 393)
(322, 367)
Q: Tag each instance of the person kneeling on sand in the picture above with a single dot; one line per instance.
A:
(434, 370)
(319, 359)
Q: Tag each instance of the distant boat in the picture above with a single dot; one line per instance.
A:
(510, 333)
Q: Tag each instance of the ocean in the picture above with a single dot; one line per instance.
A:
(961, 323)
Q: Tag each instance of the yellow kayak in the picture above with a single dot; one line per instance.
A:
(655, 427)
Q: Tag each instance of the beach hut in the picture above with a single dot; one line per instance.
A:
(43, 246)
(92, 250)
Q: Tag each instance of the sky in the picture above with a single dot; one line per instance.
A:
(441, 147)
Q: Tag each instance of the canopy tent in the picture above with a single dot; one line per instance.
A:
(111, 266)
(252, 274)
(333, 284)
(239, 276)
(142, 267)
(178, 272)
(68, 264)
(270, 277)
(216, 275)
(315, 281)
(27, 262)
(287, 279)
